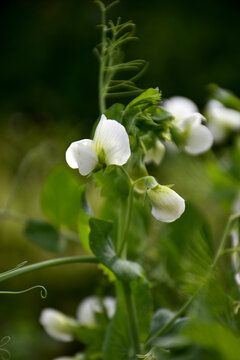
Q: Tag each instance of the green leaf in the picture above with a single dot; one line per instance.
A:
(84, 229)
(147, 98)
(61, 197)
(117, 342)
(160, 319)
(215, 336)
(102, 247)
(227, 97)
(113, 183)
(143, 305)
(156, 119)
(115, 112)
(44, 235)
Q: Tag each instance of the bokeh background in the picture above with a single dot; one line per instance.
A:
(49, 98)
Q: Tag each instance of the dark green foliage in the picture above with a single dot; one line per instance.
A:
(61, 197)
(102, 247)
(45, 235)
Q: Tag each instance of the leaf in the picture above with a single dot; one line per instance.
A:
(117, 341)
(154, 118)
(84, 229)
(147, 98)
(115, 112)
(61, 197)
(113, 183)
(215, 336)
(227, 97)
(44, 235)
(102, 247)
(160, 319)
(143, 305)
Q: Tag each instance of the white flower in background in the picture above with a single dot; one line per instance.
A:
(110, 146)
(222, 120)
(92, 304)
(197, 137)
(167, 205)
(58, 325)
(180, 107)
(155, 154)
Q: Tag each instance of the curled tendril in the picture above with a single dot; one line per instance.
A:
(43, 291)
(4, 353)
(15, 268)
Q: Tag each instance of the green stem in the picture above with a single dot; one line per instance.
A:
(222, 245)
(128, 221)
(47, 264)
(173, 319)
(132, 320)
(101, 85)
(220, 252)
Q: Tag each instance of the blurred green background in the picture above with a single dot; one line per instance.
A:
(49, 98)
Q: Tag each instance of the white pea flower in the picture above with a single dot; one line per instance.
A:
(180, 107)
(167, 205)
(155, 154)
(92, 304)
(197, 138)
(110, 146)
(222, 120)
(58, 325)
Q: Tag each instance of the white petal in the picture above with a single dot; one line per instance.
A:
(155, 154)
(81, 155)
(92, 304)
(199, 140)
(110, 305)
(57, 325)
(111, 140)
(167, 205)
(180, 107)
(225, 117)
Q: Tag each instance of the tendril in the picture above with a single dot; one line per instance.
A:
(43, 291)
(5, 354)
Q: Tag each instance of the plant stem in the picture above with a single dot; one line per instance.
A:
(222, 245)
(220, 252)
(128, 221)
(132, 320)
(101, 85)
(47, 264)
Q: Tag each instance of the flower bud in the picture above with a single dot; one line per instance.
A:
(167, 205)
(58, 325)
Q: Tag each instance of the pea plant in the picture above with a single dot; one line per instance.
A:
(114, 161)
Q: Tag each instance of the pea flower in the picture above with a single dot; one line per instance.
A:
(92, 304)
(155, 154)
(110, 146)
(222, 120)
(58, 325)
(196, 137)
(167, 205)
(180, 107)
